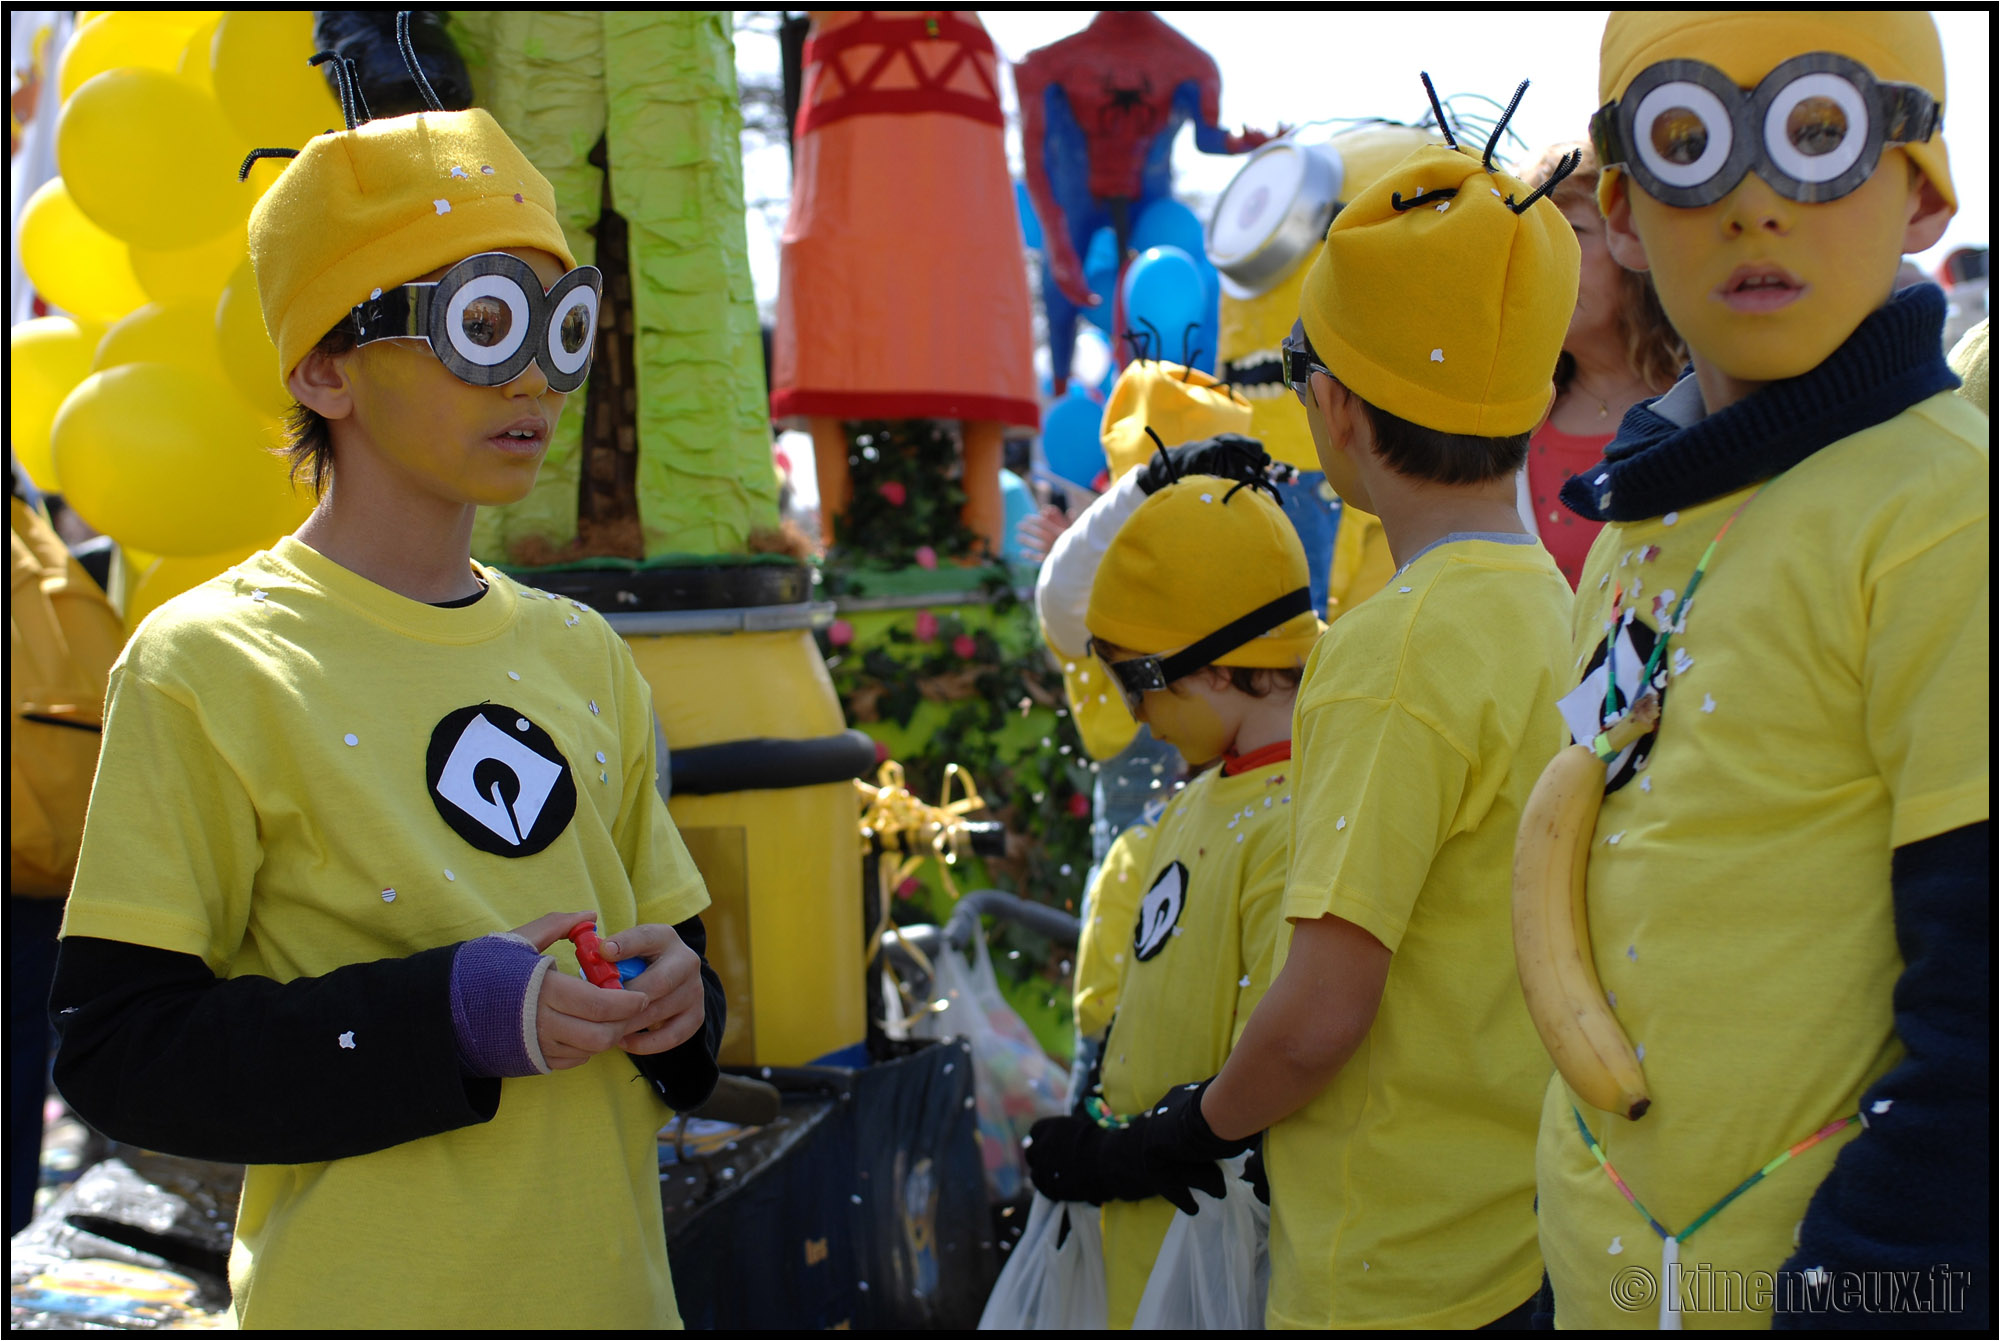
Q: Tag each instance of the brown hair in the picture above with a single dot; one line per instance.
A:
(1431, 453)
(1653, 349)
(308, 437)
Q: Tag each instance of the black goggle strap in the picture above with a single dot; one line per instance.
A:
(1147, 673)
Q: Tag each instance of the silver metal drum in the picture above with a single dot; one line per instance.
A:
(1272, 214)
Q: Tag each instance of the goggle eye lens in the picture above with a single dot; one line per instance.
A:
(486, 322)
(1816, 126)
(1679, 136)
(575, 331)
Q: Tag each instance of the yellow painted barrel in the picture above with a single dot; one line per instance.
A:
(782, 863)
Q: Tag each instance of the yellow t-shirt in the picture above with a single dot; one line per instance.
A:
(300, 771)
(1403, 1194)
(1195, 960)
(1105, 941)
(1827, 704)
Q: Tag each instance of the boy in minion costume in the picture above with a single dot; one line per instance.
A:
(1790, 887)
(1392, 1065)
(339, 782)
(1199, 612)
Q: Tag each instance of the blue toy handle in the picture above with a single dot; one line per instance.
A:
(629, 969)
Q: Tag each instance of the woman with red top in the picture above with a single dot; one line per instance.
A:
(1619, 351)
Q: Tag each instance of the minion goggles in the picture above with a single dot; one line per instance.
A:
(1814, 128)
(488, 318)
(1140, 675)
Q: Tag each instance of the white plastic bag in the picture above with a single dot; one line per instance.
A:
(1214, 1268)
(1054, 1281)
(1014, 1081)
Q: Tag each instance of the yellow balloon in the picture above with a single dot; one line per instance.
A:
(248, 355)
(118, 39)
(180, 333)
(274, 99)
(199, 271)
(74, 264)
(168, 459)
(46, 358)
(164, 579)
(193, 64)
(149, 157)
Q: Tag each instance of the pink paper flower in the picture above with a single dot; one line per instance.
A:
(927, 626)
(909, 887)
(881, 753)
(840, 633)
(964, 646)
(1079, 805)
(926, 557)
(894, 491)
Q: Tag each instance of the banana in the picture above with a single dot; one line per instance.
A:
(1551, 923)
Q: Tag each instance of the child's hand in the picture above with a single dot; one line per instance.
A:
(575, 1021)
(671, 982)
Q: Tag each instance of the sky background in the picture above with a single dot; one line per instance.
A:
(1296, 66)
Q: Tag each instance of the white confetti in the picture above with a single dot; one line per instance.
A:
(1646, 784)
(1639, 1051)
(854, 1197)
(1239, 837)
(593, 707)
(460, 172)
(1602, 478)
(1632, 953)
(600, 756)
(486, 168)
(448, 875)
(520, 724)
(1708, 703)
(1340, 824)
(1403, 589)
(1365, 1266)
(1267, 803)
(1881, 1106)
(388, 896)
(1638, 585)
(1670, 519)
(1683, 663)
(1612, 841)
(374, 293)
(1284, 800)
(258, 594)
(351, 738)
(1604, 582)
(443, 206)
(1243, 981)
(1208, 498)
(513, 675)
(1611, 999)
(1443, 205)
(1437, 356)
(1177, 931)
(1617, 1245)
(347, 1039)
(570, 623)
(1815, 1276)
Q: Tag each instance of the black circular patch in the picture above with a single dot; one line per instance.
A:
(1160, 911)
(498, 780)
(1627, 766)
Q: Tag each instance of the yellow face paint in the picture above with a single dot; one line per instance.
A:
(1187, 722)
(1762, 287)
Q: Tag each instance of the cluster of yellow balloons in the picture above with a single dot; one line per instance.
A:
(152, 405)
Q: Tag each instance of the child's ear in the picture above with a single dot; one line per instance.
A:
(1929, 215)
(1620, 238)
(320, 383)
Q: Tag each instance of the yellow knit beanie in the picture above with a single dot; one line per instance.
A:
(377, 206)
(1196, 556)
(1898, 46)
(1180, 404)
(1434, 300)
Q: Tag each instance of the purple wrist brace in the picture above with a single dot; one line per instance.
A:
(495, 986)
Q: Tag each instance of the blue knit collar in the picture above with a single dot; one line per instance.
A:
(1894, 359)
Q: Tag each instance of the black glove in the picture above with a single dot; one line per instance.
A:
(1073, 1159)
(1228, 455)
(1253, 1174)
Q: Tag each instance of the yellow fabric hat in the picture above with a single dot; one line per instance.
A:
(1180, 404)
(1195, 557)
(1898, 46)
(376, 206)
(1449, 314)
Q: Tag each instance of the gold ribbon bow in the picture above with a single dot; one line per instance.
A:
(911, 832)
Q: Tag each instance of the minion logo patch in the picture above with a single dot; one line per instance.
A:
(1583, 707)
(1160, 911)
(498, 780)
